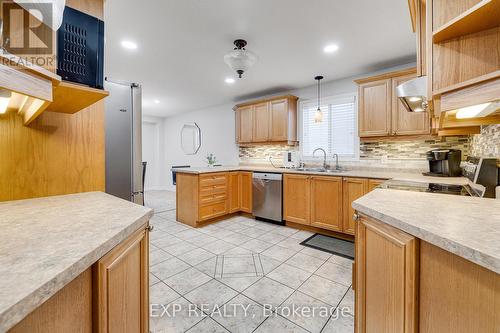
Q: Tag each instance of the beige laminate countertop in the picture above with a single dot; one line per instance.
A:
(356, 173)
(466, 226)
(47, 242)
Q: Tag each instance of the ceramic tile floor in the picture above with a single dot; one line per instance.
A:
(243, 275)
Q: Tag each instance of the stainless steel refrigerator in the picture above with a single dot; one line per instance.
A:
(123, 140)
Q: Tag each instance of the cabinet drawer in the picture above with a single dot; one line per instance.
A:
(211, 198)
(208, 190)
(215, 179)
(213, 210)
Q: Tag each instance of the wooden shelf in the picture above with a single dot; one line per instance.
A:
(464, 84)
(71, 98)
(482, 16)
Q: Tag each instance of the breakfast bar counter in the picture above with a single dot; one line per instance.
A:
(427, 262)
(50, 243)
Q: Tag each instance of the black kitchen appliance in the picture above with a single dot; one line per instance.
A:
(444, 163)
(484, 172)
(80, 48)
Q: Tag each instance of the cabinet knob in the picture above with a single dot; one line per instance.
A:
(150, 228)
(355, 217)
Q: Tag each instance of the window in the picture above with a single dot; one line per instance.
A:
(337, 133)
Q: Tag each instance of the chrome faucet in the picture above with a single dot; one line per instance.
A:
(337, 166)
(325, 166)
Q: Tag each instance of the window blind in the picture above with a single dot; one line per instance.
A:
(337, 133)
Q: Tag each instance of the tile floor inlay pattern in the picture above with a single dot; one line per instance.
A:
(243, 275)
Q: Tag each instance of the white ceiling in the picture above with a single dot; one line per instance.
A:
(181, 44)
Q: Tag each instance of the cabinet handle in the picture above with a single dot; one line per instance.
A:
(355, 217)
(150, 228)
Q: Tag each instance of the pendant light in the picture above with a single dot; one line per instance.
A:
(240, 59)
(318, 115)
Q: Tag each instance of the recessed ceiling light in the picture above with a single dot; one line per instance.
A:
(229, 80)
(331, 48)
(129, 45)
(156, 101)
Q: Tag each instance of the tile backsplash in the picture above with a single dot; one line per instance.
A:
(414, 149)
(390, 149)
(487, 144)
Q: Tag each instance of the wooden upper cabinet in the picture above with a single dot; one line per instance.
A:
(386, 279)
(404, 122)
(245, 117)
(246, 191)
(296, 198)
(375, 108)
(279, 120)
(122, 287)
(268, 120)
(326, 202)
(381, 114)
(353, 189)
(261, 122)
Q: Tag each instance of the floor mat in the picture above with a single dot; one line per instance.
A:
(331, 245)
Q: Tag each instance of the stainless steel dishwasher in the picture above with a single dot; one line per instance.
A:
(268, 196)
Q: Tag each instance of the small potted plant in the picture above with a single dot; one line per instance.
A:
(211, 160)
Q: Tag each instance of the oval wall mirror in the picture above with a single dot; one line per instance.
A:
(190, 138)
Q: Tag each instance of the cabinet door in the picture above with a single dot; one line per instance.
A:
(234, 192)
(404, 122)
(373, 183)
(326, 202)
(296, 198)
(246, 192)
(375, 108)
(386, 279)
(261, 122)
(279, 120)
(123, 287)
(354, 188)
(246, 115)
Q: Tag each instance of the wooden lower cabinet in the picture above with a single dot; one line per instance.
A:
(353, 188)
(208, 196)
(112, 296)
(326, 202)
(122, 287)
(386, 279)
(246, 191)
(296, 198)
(234, 192)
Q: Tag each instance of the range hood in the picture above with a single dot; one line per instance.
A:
(413, 94)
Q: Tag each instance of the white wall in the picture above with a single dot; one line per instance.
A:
(153, 152)
(217, 137)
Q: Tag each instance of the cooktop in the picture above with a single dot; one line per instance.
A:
(465, 190)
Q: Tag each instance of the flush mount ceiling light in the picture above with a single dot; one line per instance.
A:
(229, 80)
(156, 101)
(331, 48)
(240, 59)
(318, 115)
(129, 45)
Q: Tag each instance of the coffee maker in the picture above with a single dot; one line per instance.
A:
(444, 163)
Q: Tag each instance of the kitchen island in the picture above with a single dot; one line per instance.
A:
(69, 263)
(427, 263)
